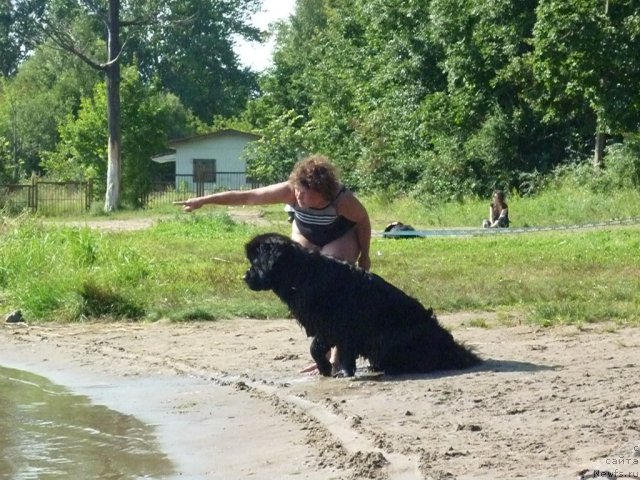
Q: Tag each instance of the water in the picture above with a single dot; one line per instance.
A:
(50, 433)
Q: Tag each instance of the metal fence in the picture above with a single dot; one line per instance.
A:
(49, 198)
(185, 186)
(63, 198)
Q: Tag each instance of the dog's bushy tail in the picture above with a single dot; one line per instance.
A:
(461, 357)
(454, 355)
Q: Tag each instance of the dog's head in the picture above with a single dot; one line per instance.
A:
(266, 253)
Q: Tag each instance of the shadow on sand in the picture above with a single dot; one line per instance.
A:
(487, 365)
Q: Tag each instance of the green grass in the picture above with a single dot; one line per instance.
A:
(565, 206)
(190, 267)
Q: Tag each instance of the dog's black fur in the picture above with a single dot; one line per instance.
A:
(357, 311)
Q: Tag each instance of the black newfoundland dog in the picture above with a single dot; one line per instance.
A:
(357, 311)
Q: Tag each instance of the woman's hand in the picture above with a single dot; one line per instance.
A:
(364, 262)
(190, 205)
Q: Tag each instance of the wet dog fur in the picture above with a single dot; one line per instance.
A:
(341, 305)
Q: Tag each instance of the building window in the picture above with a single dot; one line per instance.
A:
(204, 170)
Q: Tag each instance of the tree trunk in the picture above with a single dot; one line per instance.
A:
(114, 161)
(598, 154)
(14, 140)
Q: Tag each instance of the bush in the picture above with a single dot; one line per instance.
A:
(623, 164)
(621, 171)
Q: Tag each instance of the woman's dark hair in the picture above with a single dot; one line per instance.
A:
(499, 196)
(316, 173)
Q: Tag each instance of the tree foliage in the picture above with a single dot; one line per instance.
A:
(186, 44)
(190, 52)
(9, 47)
(448, 97)
(440, 98)
(5, 161)
(149, 117)
(46, 89)
(586, 59)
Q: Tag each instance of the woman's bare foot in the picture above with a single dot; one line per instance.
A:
(313, 369)
(332, 356)
(310, 370)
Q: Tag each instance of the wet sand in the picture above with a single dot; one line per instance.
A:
(205, 425)
(229, 403)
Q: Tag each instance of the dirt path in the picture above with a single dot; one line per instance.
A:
(547, 403)
(253, 216)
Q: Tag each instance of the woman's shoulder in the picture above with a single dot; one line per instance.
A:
(344, 195)
(348, 205)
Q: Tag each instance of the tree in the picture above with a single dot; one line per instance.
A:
(449, 97)
(5, 160)
(59, 21)
(587, 52)
(148, 118)
(191, 54)
(47, 87)
(400, 92)
(16, 39)
(9, 52)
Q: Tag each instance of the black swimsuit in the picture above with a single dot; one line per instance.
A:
(503, 220)
(322, 226)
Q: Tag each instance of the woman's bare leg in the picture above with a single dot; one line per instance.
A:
(297, 237)
(344, 248)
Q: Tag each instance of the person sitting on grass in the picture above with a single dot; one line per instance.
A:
(498, 212)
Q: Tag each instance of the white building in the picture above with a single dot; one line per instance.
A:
(209, 162)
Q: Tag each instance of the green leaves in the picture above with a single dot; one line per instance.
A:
(190, 51)
(449, 97)
(436, 97)
(583, 53)
(147, 117)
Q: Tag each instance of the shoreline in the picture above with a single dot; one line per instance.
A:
(227, 400)
(194, 418)
(152, 399)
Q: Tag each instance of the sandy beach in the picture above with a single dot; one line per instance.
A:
(228, 400)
